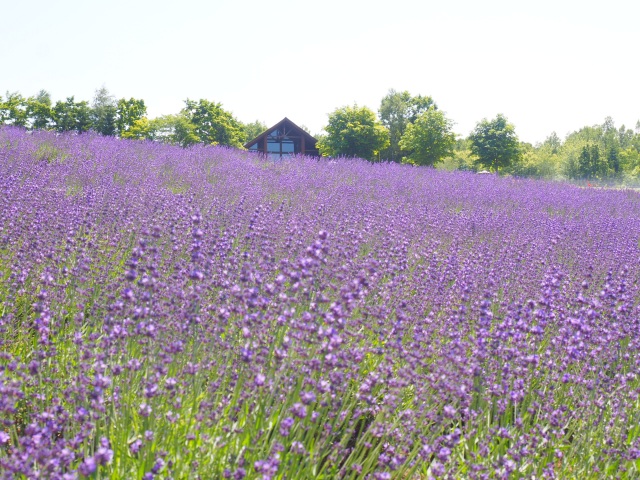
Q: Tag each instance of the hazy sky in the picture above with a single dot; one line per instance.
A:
(548, 65)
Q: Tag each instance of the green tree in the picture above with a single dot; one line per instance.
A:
(600, 152)
(553, 143)
(584, 163)
(613, 159)
(253, 129)
(213, 125)
(171, 129)
(128, 112)
(591, 164)
(542, 161)
(72, 116)
(397, 110)
(353, 132)
(40, 111)
(495, 143)
(142, 129)
(103, 112)
(13, 110)
(461, 157)
(428, 139)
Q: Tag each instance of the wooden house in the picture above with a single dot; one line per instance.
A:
(284, 139)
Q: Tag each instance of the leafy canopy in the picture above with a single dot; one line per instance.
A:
(353, 132)
(39, 111)
(128, 112)
(495, 143)
(212, 124)
(253, 129)
(103, 112)
(72, 116)
(13, 109)
(397, 111)
(428, 139)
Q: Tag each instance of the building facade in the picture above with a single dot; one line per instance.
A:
(284, 139)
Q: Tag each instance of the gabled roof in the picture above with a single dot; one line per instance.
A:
(283, 123)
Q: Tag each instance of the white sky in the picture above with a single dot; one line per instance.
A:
(548, 65)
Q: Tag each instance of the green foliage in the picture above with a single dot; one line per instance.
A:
(212, 124)
(39, 111)
(141, 129)
(541, 162)
(461, 157)
(590, 162)
(428, 139)
(72, 116)
(13, 110)
(553, 143)
(397, 110)
(602, 152)
(103, 112)
(495, 143)
(173, 130)
(128, 112)
(353, 132)
(630, 161)
(253, 129)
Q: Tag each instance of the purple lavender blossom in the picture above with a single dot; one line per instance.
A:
(232, 316)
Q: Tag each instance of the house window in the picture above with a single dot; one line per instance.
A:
(288, 146)
(273, 146)
(281, 147)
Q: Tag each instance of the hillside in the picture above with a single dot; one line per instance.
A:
(205, 313)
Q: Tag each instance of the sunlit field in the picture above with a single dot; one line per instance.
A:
(206, 313)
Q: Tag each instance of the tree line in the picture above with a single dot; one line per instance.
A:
(412, 129)
(407, 129)
(199, 121)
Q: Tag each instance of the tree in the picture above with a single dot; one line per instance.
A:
(553, 143)
(39, 111)
(212, 124)
(71, 116)
(495, 143)
(170, 129)
(585, 168)
(397, 110)
(613, 159)
(591, 164)
(13, 110)
(253, 129)
(353, 132)
(103, 112)
(142, 129)
(428, 139)
(128, 112)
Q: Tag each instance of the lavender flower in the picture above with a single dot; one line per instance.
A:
(369, 320)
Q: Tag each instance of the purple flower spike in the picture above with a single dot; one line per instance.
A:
(285, 426)
(259, 380)
(88, 467)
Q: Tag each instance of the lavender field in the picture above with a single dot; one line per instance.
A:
(206, 313)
